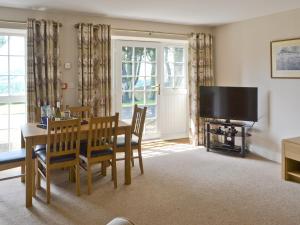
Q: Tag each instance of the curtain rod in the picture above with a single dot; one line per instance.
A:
(144, 31)
(18, 22)
(151, 32)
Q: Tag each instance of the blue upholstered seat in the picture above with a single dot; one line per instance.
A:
(57, 159)
(121, 141)
(83, 150)
(14, 156)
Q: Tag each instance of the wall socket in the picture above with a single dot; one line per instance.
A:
(68, 66)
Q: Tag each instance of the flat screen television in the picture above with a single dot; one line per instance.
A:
(230, 103)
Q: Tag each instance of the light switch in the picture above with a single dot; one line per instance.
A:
(67, 66)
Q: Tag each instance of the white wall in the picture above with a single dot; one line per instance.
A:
(68, 42)
(242, 53)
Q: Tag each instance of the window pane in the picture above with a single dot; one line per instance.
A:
(178, 55)
(3, 65)
(3, 121)
(150, 69)
(151, 111)
(126, 113)
(139, 97)
(17, 120)
(3, 45)
(127, 53)
(127, 99)
(139, 54)
(15, 138)
(151, 97)
(127, 84)
(3, 85)
(139, 69)
(169, 69)
(17, 65)
(3, 109)
(17, 85)
(18, 108)
(179, 82)
(16, 45)
(178, 70)
(168, 54)
(4, 141)
(150, 83)
(139, 83)
(151, 54)
(126, 69)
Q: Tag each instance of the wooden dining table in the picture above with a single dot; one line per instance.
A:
(32, 135)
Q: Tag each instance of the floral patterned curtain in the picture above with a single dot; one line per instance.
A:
(200, 73)
(94, 61)
(43, 65)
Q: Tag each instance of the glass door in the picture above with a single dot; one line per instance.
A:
(139, 83)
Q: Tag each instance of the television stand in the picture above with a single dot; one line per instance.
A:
(228, 132)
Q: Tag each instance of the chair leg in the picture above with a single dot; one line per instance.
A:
(114, 172)
(38, 176)
(77, 180)
(132, 159)
(89, 178)
(33, 178)
(48, 185)
(141, 160)
(103, 168)
(23, 172)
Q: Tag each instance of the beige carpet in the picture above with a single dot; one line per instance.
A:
(182, 185)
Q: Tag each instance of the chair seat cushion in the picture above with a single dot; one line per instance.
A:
(12, 156)
(121, 141)
(83, 150)
(57, 159)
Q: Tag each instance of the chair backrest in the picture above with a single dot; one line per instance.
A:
(80, 111)
(102, 133)
(63, 138)
(138, 121)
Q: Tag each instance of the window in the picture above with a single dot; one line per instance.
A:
(12, 87)
(174, 70)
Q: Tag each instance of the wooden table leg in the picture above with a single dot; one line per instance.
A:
(23, 166)
(128, 156)
(28, 166)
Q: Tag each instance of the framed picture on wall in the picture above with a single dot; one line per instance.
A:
(285, 58)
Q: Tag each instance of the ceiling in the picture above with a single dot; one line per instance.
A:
(192, 12)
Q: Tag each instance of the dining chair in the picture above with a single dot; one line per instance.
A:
(14, 159)
(62, 151)
(100, 146)
(81, 112)
(137, 128)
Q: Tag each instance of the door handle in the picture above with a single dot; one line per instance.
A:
(157, 87)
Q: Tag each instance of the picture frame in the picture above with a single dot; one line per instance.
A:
(285, 58)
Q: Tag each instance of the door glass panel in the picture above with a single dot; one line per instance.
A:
(17, 85)
(142, 84)
(3, 85)
(127, 69)
(17, 65)
(178, 55)
(3, 45)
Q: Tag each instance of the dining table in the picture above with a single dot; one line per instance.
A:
(32, 135)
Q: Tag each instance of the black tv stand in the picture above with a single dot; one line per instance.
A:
(228, 132)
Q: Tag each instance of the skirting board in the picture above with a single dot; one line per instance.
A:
(265, 153)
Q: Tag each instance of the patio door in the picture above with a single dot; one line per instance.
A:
(152, 74)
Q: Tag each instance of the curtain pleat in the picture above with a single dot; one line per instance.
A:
(43, 65)
(94, 62)
(200, 74)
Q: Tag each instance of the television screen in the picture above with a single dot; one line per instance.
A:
(236, 103)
